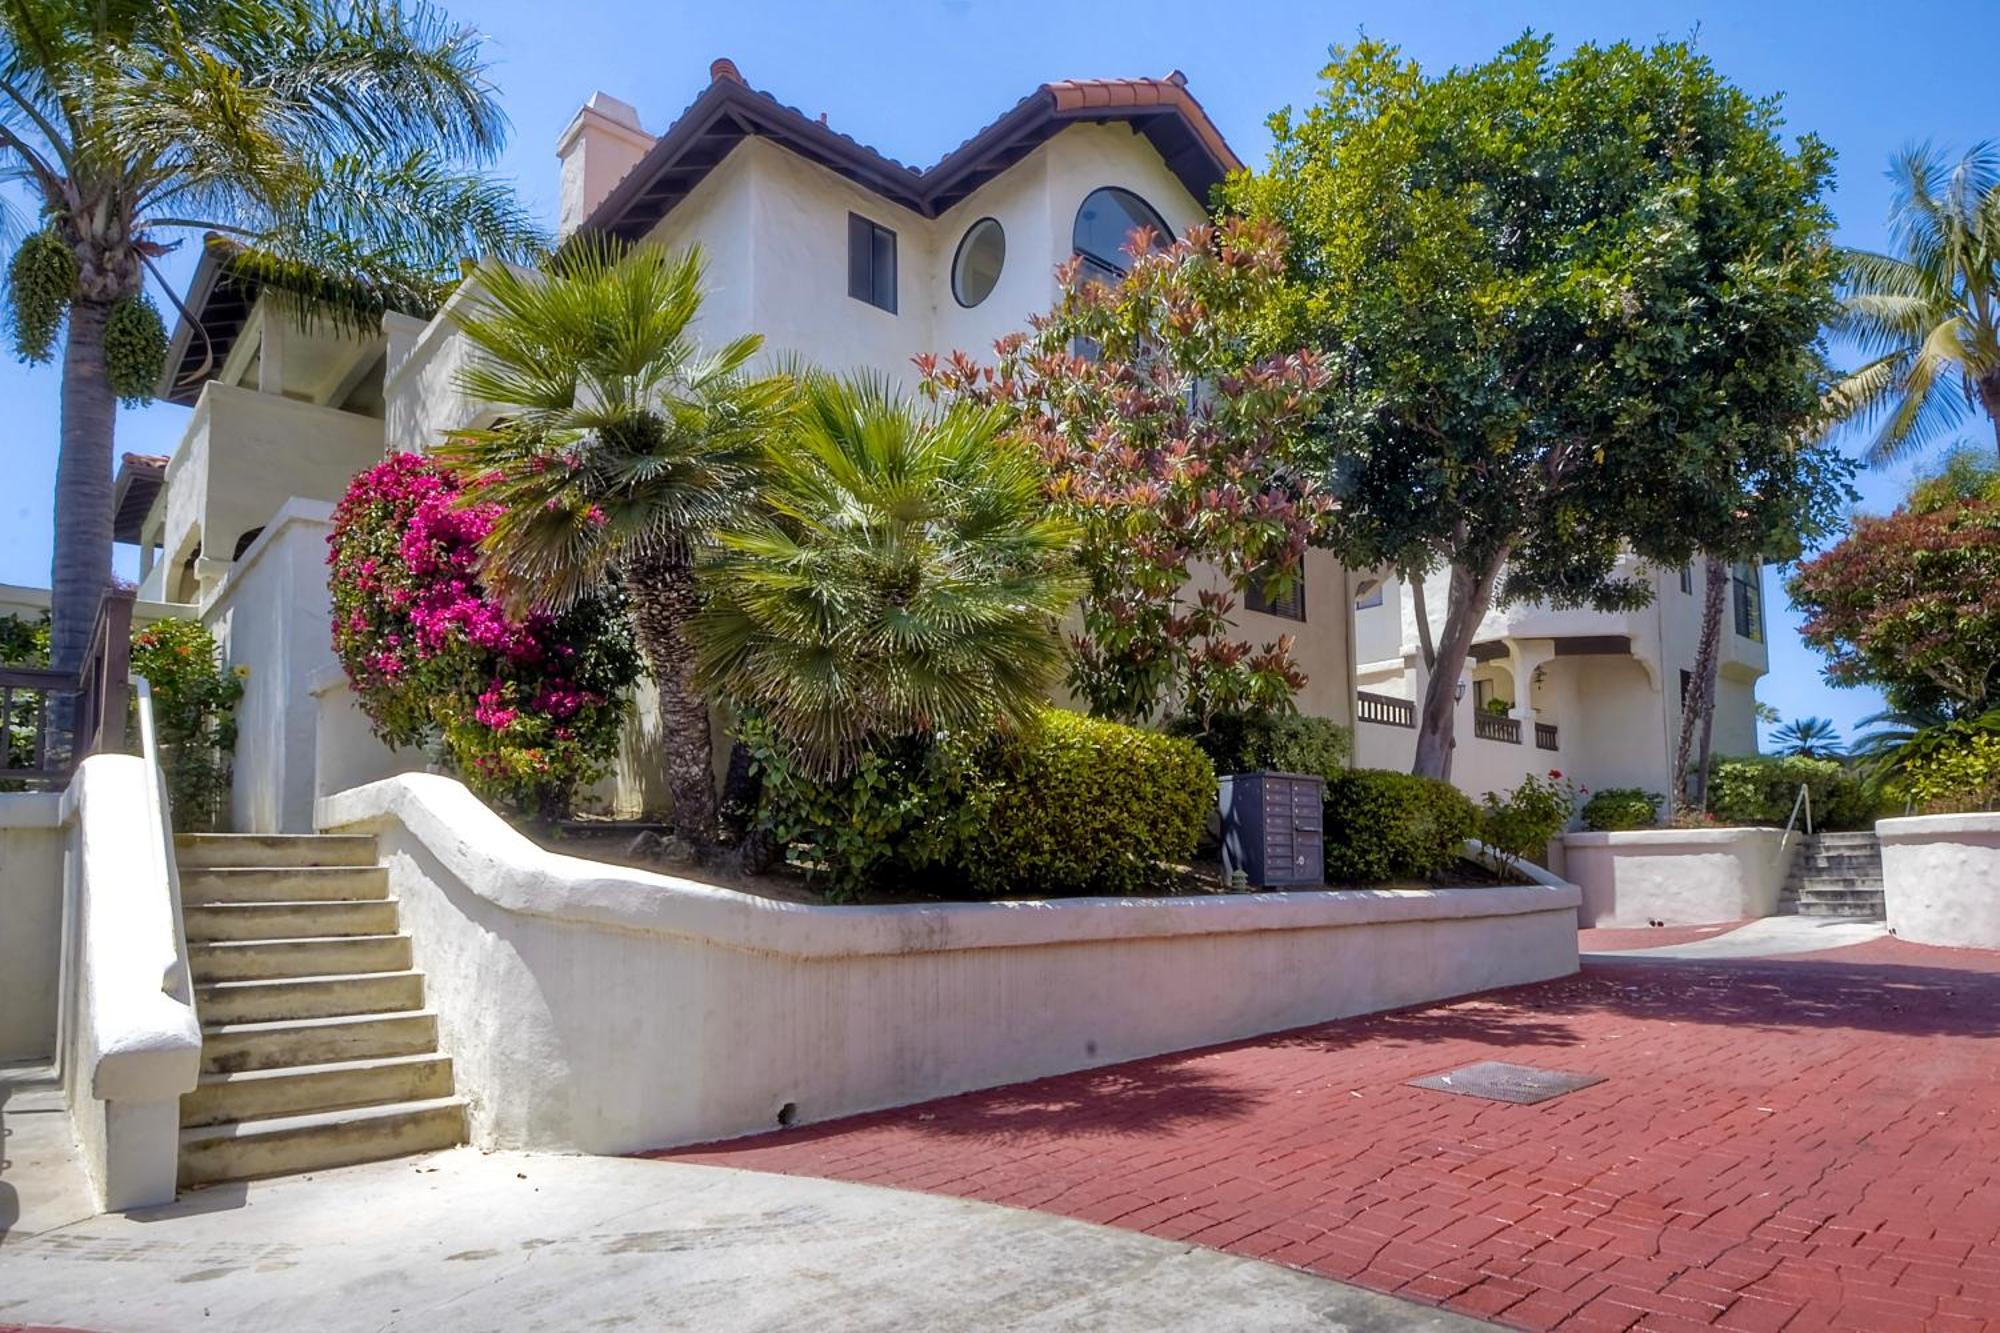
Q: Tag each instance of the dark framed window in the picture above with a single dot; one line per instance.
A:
(1748, 602)
(975, 269)
(1687, 578)
(1103, 232)
(1291, 606)
(871, 263)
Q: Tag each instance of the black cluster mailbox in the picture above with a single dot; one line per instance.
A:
(1274, 827)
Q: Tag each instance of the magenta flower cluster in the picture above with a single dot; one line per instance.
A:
(522, 705)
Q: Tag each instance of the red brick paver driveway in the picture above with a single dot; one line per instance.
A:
(1799, 1144)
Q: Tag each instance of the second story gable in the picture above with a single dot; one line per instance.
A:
(838, 254)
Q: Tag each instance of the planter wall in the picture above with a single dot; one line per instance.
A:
(1678, 877)
(591, 1008)
(1941, 879)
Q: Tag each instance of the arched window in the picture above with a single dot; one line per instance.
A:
(1104, 227)
(975, 269)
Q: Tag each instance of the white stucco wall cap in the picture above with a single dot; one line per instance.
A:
(492, 859)
(326, 680)
(1924, 828)
(1670, 837)
(31, 809)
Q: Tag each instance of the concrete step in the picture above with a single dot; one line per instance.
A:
(281, 1144)
(1859, 911)
(1859, 838)
(1838, 883)
(227, 1048)
(270, 999)
(289, 920)
(274, 849)
(1856, 895)
(265, 884)
(258, 1093)
(310, 956)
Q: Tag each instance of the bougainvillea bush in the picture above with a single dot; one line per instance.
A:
(525, 709)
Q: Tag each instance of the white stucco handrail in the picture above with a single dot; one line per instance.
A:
(179, 978)
(481, 851)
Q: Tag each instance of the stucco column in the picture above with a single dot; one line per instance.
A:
(1524, 658)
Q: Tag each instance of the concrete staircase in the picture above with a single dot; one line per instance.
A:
(1838, 874)
(317, 1050)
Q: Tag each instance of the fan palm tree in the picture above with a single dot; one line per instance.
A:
(1928, 316)
(338, 139)
(622, 445)
(904, 576)
(1809, 738)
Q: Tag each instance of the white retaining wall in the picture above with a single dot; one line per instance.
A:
(1941, 879)
(592, 1008)
(1678, 877)
(31, 894)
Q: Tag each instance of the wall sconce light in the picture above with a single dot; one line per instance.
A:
(1458, 691)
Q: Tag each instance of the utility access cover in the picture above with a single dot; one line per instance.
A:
(1500, 1082)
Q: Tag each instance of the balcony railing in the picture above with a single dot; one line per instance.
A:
(1545, 735)
(1384, 710)
(1493, 727)
(51, 719)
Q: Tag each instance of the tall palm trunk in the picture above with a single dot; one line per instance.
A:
(81, 569)
(1469, 596)
(1698, 709)
(664, 601)
(1989, 398)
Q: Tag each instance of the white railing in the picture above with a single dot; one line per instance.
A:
(179, 979)
(1804, 798)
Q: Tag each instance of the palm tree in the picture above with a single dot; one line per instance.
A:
(904, 576)
(335, 138)
(1809, 738)
(623, 445)
(1929, 316)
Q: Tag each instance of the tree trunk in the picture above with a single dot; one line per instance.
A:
(1423, 615)
(1471, 593)
(664, 600)
(1698, 709)
(1989, 398)
(81, 567)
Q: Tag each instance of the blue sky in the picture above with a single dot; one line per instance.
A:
(913, 79)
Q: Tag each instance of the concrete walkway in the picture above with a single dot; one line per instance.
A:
(465, 1240)
(1770, 937)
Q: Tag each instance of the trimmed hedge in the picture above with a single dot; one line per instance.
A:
(1072, 805)
(1760, 789)
(1383, 826)
(1616, 809)
(1081, 805)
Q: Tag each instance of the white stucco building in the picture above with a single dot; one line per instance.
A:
(1595, 694)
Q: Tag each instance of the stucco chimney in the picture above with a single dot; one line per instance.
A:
(601, 145)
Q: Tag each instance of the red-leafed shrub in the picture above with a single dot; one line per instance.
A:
(524, 709)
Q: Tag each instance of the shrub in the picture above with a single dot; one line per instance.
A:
(194, 703)
(1082, 805)
(1069, 805)
(525, 709)
(1383, 826)
(1279, 742)
(1616, 809)
(1760, 789)
(1955, 778)
(1520, 824)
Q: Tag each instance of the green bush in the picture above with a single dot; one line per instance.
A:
(1520, 824)
(1071, 805)
(1082, 805)
(194, 703)
(1383, 826)
(1760, 790)
(1278, 742)
(1955, 777)
(1616, 809)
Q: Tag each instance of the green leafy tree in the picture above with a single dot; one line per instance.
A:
(339, 139)
(194, 709)
(903, 575)
(1928, 316)
(1573, 312)
(1174, 438)
(622, 446)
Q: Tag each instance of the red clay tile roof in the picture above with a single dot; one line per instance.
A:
(729, 111)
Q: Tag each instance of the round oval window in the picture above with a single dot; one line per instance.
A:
(977, 267)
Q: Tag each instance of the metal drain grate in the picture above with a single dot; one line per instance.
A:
(1500, 1082)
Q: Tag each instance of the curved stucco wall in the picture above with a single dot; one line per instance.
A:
(1677, 877)
(1941, 879)
(593, 1008)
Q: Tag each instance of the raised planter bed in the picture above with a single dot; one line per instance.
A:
(1941, 879)
(1677, 877)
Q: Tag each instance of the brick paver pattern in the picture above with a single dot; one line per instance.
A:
(1802, 1144)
